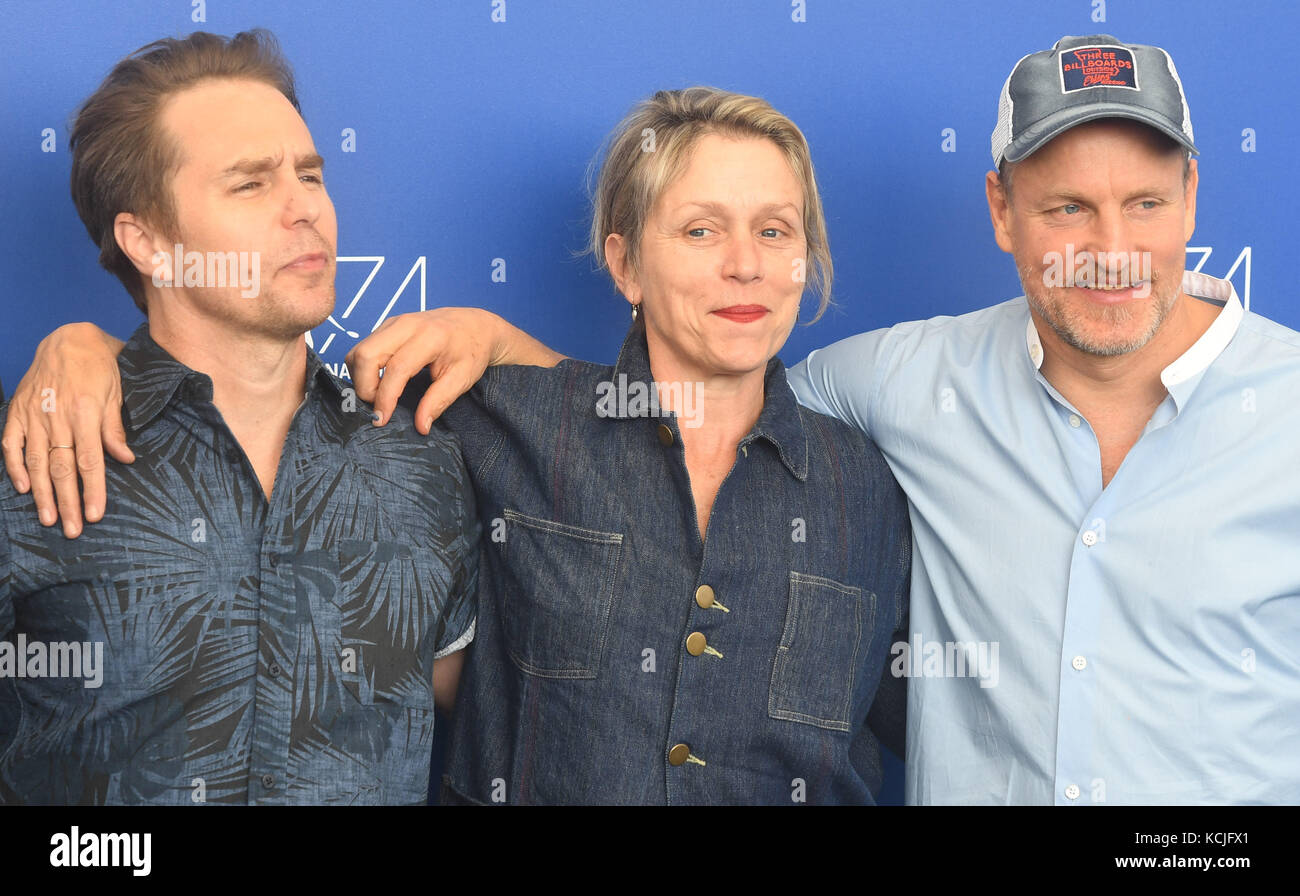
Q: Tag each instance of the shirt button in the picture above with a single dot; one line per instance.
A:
(1090, 538)
(273, 560)
(1079, 663)
(704, 597)
(1072, 792)
(274, 669)
(268, 781)
(677, 755)
(695, 643)
(1075, 421)
(665, 434)
(232, 456)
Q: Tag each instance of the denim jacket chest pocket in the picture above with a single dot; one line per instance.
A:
(559, 594)
(828, 628)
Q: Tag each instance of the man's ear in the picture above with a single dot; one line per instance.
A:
(621, 269)
(1189, 201)
(149, 250)
(999, 210)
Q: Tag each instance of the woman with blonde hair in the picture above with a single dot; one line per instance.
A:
(689, 585)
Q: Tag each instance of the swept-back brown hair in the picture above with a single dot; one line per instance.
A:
(122, 161)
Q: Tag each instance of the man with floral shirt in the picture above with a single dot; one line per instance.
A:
(277, 590)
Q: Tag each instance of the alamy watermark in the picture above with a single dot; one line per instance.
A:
(1098, 270)
(57, 659)
(210, 269)
(76, 849)
(945, 659)
(639, 399)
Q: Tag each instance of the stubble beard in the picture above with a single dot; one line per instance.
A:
(287, 319)
(269, 315)
(1070, 322)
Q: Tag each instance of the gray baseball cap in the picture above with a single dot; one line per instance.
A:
(1082, 79)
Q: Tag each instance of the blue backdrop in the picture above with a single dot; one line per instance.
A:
(457, 135)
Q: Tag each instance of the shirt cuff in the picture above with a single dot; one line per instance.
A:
(460, 643)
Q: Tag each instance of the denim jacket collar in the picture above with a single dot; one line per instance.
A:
(151, 378)
(780, 421)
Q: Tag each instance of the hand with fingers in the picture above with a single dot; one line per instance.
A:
(67, 410)
(456, 344)
(65, 413)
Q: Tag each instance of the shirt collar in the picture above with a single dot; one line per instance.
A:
(779, 422)
(151, 379)
(1181, 376)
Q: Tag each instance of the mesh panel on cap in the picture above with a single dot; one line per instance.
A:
(1002, 130)
(1187, 115)
(1006, 108)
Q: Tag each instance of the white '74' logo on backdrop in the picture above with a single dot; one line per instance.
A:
(1243, 256)
(354, 324)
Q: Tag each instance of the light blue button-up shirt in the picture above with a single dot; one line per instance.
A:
(1072, 644)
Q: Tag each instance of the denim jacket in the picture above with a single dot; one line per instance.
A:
(620, 659)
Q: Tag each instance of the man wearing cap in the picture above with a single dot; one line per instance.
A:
(1107, 484)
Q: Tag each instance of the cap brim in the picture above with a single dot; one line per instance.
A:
(1036, 136)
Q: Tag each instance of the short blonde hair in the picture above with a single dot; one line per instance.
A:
(631, 178)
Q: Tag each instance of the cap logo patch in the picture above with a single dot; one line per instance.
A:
(1085, 67)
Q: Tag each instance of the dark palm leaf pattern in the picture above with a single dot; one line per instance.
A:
(254, 651)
